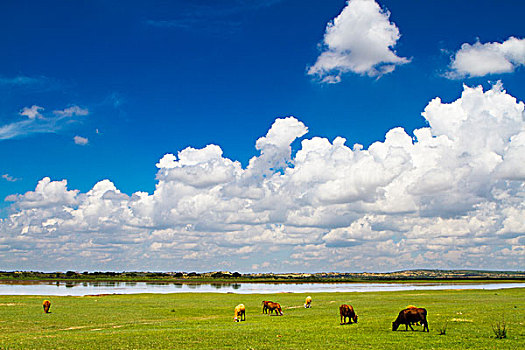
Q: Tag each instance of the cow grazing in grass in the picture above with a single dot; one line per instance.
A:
(239, 313)
(410, 316)
(46, 304)
(274, 307)
(308, 303)
(347, 311)
(413, 307)
(265, 306)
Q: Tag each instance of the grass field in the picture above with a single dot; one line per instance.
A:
(205, 321)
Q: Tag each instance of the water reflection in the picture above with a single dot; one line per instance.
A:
(111, 287)
(154, 283)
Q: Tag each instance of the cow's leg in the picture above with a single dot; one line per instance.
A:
(425, 326)
(410, 326)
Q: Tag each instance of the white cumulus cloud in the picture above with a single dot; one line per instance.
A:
(452, 196)
(361, 40)
(79, 140)
(32, 112)
(490, 58)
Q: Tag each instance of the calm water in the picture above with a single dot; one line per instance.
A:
(88, 288)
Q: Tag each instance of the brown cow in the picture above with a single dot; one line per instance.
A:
(347, 311)
(46, 304)
(265, 306)
(274, 307)
(410, 316)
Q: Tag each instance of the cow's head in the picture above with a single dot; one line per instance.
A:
(394, 326)
(355, 319)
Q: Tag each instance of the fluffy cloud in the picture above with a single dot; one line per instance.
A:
(79, 140)
(32, 112)
(491, 58)
(359, 40)
(451, 196)
(36, 123)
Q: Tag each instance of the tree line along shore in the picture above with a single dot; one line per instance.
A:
(226, 276)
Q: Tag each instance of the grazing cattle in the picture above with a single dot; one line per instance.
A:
(265, 306)
(308, 302)
(347, 311)
(413, 307)
(46, 304)
(239, 313)
(274, 307)
(410, 316)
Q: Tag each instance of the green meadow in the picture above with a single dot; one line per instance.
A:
(205, 321)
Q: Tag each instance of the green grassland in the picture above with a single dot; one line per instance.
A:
(205, 321)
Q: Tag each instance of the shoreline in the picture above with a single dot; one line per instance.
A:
(267, 281)
(261, 293)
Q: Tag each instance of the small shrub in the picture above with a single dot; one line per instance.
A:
(443, 329)
(500, 329)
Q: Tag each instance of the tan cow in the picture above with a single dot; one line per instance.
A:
(308, 302)
(239, 313)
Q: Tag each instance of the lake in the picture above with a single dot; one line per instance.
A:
(90, 288)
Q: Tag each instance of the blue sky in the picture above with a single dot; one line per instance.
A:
(102, 90)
